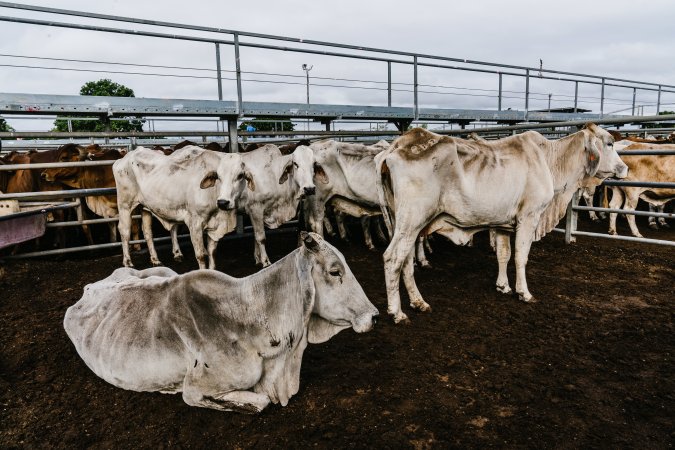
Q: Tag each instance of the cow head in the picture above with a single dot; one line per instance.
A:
(302, 168)
(603, 161)
(66, 153)
(230, 180)
(339, 300)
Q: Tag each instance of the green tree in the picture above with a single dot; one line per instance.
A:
(4, 126)
(266, 124)
(659, 124)
(109, 88)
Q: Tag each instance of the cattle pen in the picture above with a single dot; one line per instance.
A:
(590, 365)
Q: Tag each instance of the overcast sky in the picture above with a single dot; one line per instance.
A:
(611, 38)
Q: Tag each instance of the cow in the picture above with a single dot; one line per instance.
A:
(430, 183)
(654, 168)
(198, 187)
(287, 149)
(231, 344)
(89, 178)
(281, 181)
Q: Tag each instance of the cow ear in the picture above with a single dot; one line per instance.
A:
(309, 242)
(592, 153)
(320, 330)
(320, 174)
(249, 180)
(288, 168)
(209, 180)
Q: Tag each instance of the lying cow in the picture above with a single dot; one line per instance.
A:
(454, 187)
(281, 182)
(655, 168)
(232, 344)
(198, 187)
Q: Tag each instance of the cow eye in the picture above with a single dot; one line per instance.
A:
(295, 164)
(611, 144)
(240, 176)
(335, 272)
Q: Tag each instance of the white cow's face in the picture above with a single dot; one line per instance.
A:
(300, 169)
(229, 180)
(339, 300)
(610, 164)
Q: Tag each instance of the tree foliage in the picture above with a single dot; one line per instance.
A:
(4, 126)
(659, 124)
(109, 88)
(268, 124)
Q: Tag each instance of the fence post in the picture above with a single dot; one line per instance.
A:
(571, 219)
(234, 148)
(527, 92)
(658, 102)
(240, 105)
(602, 98)
(632, 111)
(416, 109)
(218, 74)
(388, 83)
(576, 95)
(499, 98)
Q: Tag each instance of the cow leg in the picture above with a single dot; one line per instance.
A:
(524, 236)
(81, 216)
(419, 252)
(211, 245)
(124, 227)
(381, 235)
(587, 195)
(330, 231)
(416, 300)
(652, 220)
(662, 220)
(112, 231)
(367, 237)
(177, 254)
(502, 246)
(196, 229)
(202, 389)
(135, 234)
(493, 239)
(340, 220)
(632, 197)
(146, 219)
(259, 250)
(427, 243)
(615, 203)
(401, 246)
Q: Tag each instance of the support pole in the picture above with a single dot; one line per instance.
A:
(602, 98)
(576, 95)
(632, 111)
(240, 105)
(658, 102)
(527, 93)
(416, 109)
(218, 73)
(388, 83)
(234, 148)
(499, 98)
(571, 219)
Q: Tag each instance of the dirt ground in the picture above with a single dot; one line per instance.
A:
(589, 366)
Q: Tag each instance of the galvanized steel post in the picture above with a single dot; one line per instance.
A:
(234, 148)
(602, 98)
(388, 83)
(499, 98)
(632, 111)
(416, 108)
(571, 219)
(240, 105)
(658, 101)
(527, 92)
(218, 74)
(576, 95)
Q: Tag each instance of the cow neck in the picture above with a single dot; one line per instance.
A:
(566, 161)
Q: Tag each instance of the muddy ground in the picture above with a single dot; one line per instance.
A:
(590, 365)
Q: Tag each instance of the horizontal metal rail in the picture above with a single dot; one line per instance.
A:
(649, 184)
(74, 193)
(617, 237)
(75, 223)
(645, 152)
(304, 41)
(42, 210)
(624, 211)
(55, 165)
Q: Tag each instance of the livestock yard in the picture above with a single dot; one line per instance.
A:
(590, 365)
(420, 169)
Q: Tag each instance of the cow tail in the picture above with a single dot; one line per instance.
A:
(384, 193)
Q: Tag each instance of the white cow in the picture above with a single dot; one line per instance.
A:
(281, 181)
(454, 187)
(198, 187)
(232, 344)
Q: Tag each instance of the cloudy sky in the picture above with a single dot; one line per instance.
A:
(618, 38)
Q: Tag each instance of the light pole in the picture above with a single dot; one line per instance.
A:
(307, 68)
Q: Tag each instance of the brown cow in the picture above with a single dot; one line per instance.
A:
(89, 178)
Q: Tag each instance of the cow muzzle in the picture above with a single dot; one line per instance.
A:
(225, 205)
(621, 171)
(309, 190)
(45, 176)
(366, 322)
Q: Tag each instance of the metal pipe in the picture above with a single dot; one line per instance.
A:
(74, 193)
(527, 93)
(571, 218)
(632, 111)
(499, 97)
(624, 211)
(55, 165)
(389, 83)
(416, 112)
(218, 72)
(576, 95)
(75, 223)
(240, 104)
(616, 237)
(602, 98)
(645, 152)
(650, 184)
(658, 102)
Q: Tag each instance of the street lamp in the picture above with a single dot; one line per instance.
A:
(307, 68)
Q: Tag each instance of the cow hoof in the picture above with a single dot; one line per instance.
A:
(595, 219)
(372, 248)
(420, 305)
(128, 264)
(531, 299)
(178, 258)
(424, 264)
(653, 226)
(156, 263)
(504, 289)
(136, 247)
(612, 232)
(664, 225)
(401, 319)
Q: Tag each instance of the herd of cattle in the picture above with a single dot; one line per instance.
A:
(237, 344)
